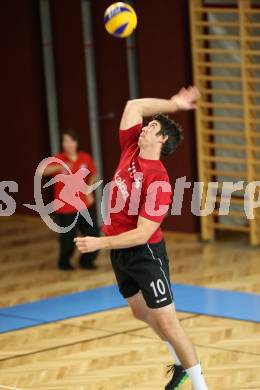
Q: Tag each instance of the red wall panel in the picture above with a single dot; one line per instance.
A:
(24, 128)
(68, 47)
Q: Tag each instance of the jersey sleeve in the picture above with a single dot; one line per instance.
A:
(157, 197)
(129, 136)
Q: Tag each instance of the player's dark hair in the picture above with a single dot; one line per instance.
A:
(73, 134)
(172, 130)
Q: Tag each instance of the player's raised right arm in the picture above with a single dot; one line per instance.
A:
(132, 114)
(135, 110)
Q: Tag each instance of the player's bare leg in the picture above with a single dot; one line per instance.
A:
(165, 323)
(140, 310)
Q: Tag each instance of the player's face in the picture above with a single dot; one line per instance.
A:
(149, 135)
(69, 145)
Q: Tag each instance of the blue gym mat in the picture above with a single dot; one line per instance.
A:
(193, 299)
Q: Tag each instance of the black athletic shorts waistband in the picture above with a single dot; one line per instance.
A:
(141, 247)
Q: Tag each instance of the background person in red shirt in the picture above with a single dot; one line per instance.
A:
(75, 159)
(138, 252)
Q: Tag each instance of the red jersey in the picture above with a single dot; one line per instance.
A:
(84, 160)
(140, 185)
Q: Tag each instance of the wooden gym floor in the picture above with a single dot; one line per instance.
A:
(110, 350)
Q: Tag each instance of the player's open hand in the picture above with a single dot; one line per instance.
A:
(186, 99)
(87, 244)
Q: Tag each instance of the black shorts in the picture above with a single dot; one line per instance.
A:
(145, 268)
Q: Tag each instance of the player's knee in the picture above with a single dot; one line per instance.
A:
(139, 314)
(166, 327)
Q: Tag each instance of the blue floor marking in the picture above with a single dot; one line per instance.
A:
(192, 299)
(63, 307)
(9, 323)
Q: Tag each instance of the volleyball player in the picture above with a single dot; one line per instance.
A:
(138, 253)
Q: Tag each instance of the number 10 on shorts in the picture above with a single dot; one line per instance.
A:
(158, 287)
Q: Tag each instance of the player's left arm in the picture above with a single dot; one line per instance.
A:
(138, 236)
